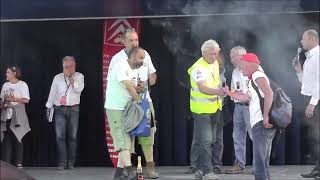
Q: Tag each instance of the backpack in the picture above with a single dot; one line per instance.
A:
(281, 110)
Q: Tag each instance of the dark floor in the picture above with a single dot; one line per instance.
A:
(167, 173)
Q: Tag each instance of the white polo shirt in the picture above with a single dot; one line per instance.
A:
(254, 104)
(143, 72)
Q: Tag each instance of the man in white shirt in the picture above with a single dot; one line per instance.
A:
(64, 97)
(120, 91)
(309, 77)
(262, 131)
(241, 116)
(144, 75)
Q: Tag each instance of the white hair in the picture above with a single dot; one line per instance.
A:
(209, 44)
(66, 58)
(240, 50)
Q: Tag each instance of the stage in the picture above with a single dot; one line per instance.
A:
(166, 173)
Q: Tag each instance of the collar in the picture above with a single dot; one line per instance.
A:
(312, 51)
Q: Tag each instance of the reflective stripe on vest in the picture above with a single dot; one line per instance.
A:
(205, 100)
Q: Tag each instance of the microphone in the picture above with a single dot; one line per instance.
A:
(296, 58)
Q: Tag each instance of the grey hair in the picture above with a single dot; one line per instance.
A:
(127, 31)
(64, 59)
(209, 44)
(240, 50)
(312, 34)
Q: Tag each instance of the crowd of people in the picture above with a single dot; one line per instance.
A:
(131, 73)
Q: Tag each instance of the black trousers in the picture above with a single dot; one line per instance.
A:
(11, 148)
(313, 135)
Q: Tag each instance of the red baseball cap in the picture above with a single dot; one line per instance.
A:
(250, 57)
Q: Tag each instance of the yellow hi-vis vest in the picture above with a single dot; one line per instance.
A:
(201, 103)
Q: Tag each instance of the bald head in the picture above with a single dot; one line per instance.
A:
(310, 39)
(136, 57)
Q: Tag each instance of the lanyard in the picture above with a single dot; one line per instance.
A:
(68, 85)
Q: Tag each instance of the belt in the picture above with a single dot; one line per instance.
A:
(242, 103)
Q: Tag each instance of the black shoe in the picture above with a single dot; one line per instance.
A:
(191, 170)
(131, 173)
(217, 170)
(313, 174)
(60, 167)
(70, 167)
(119, 174)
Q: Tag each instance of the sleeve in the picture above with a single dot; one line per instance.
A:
(151, 68)
(78, 85)
(25, 91)
(2, 91)
(52, 94)
(315, 91)
(198, 75)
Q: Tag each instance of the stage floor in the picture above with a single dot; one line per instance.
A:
(166, 173)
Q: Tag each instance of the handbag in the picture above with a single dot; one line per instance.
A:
(281, 110)
(144, 127)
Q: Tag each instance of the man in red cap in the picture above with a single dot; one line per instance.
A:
(262, 131)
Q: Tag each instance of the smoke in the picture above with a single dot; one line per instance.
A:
(263, 27)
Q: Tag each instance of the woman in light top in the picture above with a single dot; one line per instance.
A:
(14, 121)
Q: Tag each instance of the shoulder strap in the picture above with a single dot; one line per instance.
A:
(259, 95)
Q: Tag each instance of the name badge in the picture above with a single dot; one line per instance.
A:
(63, 100)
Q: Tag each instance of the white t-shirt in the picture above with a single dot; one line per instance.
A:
(239, 82)
(18, 90)
(143, 72)
(117, 95)
(254, 104)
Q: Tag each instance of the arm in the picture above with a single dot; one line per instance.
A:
(151, 70)
(153, 78)
(237, 95)
(268, 97)
(19, 100)
(52, 94)
(315, 90)
(131, 89)
(77, 83)
(209, 91)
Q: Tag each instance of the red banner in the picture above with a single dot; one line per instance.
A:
(112, 44)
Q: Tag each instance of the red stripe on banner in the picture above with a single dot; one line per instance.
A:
(112, 44)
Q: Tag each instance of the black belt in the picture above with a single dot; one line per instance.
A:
(242, 103)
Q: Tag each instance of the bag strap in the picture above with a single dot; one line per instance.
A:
(280, 131)
(255, 87)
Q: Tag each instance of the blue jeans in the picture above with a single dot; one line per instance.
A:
(217, 148)
(66, 127)
(204, 135)
(262, 143)
(241, 125)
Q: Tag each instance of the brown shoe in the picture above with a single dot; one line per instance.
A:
(236, 169)
(150, 172)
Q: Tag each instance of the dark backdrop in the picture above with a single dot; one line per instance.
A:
(37, 47)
